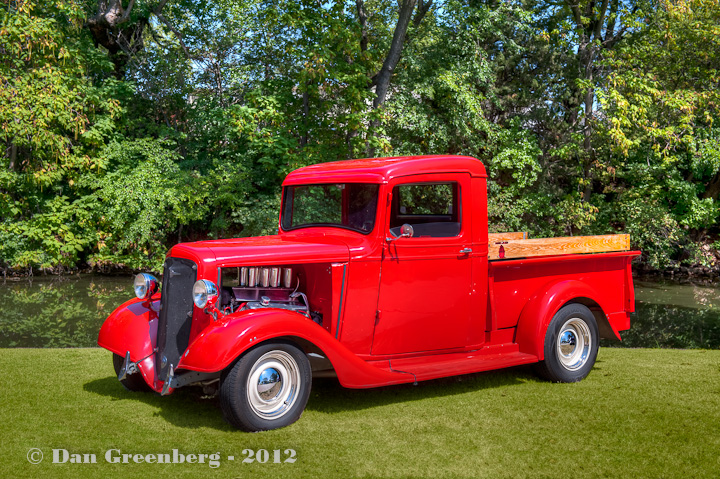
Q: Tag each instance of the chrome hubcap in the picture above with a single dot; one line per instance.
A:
(269, 384)
(574, 344)
(273, 384)
(568, 341)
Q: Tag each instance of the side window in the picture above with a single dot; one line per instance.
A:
(432, 209)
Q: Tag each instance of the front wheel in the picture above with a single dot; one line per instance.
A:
(571, 345)
(267, 388)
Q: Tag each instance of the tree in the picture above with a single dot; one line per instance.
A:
(380, 81)
(53, 121)
(579, 33)
(662, 105)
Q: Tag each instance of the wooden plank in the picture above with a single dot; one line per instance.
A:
(513, 235)
(553, 246)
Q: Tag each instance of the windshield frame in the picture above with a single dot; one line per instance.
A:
(288, 208)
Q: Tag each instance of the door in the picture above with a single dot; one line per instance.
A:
(425, 285)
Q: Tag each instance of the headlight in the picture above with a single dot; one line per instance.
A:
(145, 285)
(202, 291)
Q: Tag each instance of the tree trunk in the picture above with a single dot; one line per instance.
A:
(713, 188)
(13, 155)
(589, 152)
(381, 80)
(362, 17)
(589, 23)
(306, 115)
(111, 27)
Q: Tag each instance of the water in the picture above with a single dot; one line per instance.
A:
(673, 315)
(59, 312)
(68, 312)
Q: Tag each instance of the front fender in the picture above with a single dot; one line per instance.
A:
(220, 344)
(540, 309)
(133, 327)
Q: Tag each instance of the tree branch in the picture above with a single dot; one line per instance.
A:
(393, 57)
(610, 42)
(423, 8)
(124, 18)
(590, 10)
(362, 16)
(160, 7)
(177, 34)
(577, 15)
(600, 20)
(610, 30)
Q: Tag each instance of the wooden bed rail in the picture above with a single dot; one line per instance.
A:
(516, 245)
(514, 235)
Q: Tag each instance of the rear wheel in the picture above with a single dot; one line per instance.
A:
(571, 345)
(267, 388)
(132, 382)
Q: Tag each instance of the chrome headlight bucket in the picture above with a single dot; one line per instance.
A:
(203, 291)
(145, 285)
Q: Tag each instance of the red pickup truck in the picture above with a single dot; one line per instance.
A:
(383, 272)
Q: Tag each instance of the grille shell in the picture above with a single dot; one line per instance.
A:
(175, 318)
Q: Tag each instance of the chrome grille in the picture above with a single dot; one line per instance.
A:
(175, 319)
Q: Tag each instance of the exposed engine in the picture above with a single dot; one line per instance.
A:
(265, 287)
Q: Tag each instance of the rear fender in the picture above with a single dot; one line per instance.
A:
(540, 309)
(220, 344)
(133, 327)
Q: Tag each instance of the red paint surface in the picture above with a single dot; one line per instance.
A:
(393, 312)
(133, 327)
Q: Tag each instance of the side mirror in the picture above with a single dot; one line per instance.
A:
(406, 231)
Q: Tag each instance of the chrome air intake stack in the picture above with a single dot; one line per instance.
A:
(255, 282)
(266, 287)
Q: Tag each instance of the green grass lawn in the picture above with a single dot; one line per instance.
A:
(641, 413)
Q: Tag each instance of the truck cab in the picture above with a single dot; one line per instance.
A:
(382, 272)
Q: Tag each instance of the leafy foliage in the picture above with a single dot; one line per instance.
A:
(140, 202)
(662, 101)
(590, 117)
(54, 119)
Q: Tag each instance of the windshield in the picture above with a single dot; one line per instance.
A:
(346, 205)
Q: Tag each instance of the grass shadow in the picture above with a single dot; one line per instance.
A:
(187, 407)
(190, 408)
(328, 396)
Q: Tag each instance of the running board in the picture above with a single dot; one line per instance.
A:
(455, 364)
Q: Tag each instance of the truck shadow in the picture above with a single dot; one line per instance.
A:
(189, 408)
(328, 396)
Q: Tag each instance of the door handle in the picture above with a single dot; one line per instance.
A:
(466, 250)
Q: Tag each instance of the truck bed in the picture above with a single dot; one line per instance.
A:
(607, 277)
